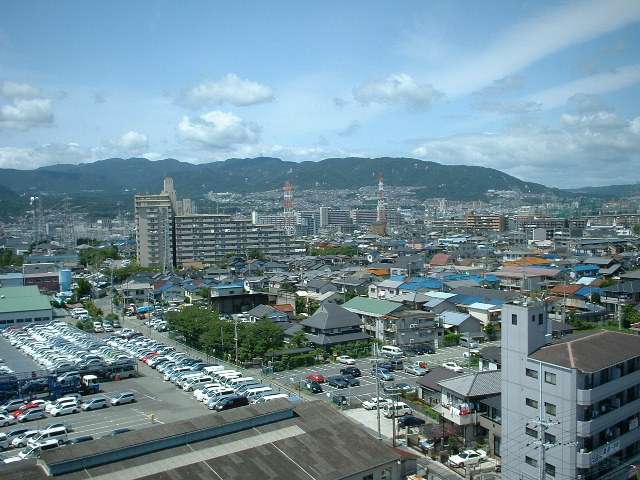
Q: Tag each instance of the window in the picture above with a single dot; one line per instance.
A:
(532, 432)
(533, 319)
(531, 373)
(549, 438)
(550, 378)
(540, 319)
(550, 469)
(550, 408)
(368, 477)
(531, 403)
(514, 319)
(531, 461)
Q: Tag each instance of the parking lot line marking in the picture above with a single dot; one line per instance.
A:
(148, 396)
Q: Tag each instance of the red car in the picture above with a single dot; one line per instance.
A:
(148, 357)
(25, 407)
(316, 377)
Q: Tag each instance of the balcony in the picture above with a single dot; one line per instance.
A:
(453, 414)
(588, 428)
(608, 389)
(588, 459)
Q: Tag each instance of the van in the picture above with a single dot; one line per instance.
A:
(398, 409)
(252, 393)
(181, 381)
(391, 351)
(95, 403)
(191, 385)
(225, 378)
(57, 433)
(219, 375)
(275, 396)
(467, 342)
(236, 383)
(211, 369)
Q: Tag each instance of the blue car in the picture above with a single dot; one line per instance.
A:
(382, 374)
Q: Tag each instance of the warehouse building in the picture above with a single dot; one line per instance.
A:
(21, 306)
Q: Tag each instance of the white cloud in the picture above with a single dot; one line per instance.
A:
(593, 85)
(133, 142)
(398, 89)
(534, 39)
(48, 154)
(14, 90)
(218, 130)
(597, 149)
(508, 107)
(26, 113)
(229, 89)
(351, 129)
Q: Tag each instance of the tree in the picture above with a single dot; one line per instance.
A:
(301, 306)
(298, 340)
(629, 316)
(636, 229)
(8, 258)
(204, 292)
(490, 330)
(312, 306)
(191, 323)
(256, 254)
(84, 287)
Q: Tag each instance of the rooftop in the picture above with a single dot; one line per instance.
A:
(22, 299)
(478, 384)
(592, 352)
(371, 306)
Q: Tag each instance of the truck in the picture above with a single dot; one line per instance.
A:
(87, 385)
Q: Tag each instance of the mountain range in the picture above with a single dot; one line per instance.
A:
(116, 177)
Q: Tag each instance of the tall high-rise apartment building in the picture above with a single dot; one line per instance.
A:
(571, 408)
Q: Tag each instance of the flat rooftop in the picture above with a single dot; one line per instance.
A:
(22, 299)
(305, 441)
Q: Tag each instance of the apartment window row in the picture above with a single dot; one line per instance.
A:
(549, 377)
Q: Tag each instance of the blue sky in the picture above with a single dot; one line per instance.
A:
(546, 91)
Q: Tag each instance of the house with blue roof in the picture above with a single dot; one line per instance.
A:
(458, 322)
(421, 284)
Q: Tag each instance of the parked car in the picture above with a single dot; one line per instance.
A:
(340, 400)
(7, 437)
(316, 377)
(21, 440)
(66, 408)
(375, 402)
(33, 414)
(12, 405)
(6, 420)
(122, 398)
(397, 388)
(468, 457)
(353, 371)
(351, 381)
(346, 360)
(416, 369)
(382, 374)
(337, 382)
(119, 431)
(426, 443)
(95, 403)
(410, 421)
(234, 401)
(313, 387)
(453, 366)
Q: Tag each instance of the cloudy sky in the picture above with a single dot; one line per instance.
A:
(545, 91)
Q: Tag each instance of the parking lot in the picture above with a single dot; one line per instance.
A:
(368, 387)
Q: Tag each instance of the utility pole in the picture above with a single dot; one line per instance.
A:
(235, 329)
(375, 349)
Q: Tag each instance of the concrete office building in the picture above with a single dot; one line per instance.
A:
(485, 222)
(569, 409)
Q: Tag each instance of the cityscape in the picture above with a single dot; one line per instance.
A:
(235, 244)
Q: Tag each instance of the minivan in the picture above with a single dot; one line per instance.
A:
(275, 396)
(33, 414)
(398, 409)
(257, 392)
(122, 398)
(58, 433)
(391, 351)
(213, 368)
(95, 403)
(194, 383)
(233, 401)
(236, 383)
(227, 377)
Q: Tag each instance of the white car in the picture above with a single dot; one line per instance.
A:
(374, 402)
(346, 360)
(471, 353)
(65, 408)
(453, 366)
(6, 420)
(21, 440)
(468, 457)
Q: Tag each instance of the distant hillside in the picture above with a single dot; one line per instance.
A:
(135, 175)
(11, 204)
(610, 191)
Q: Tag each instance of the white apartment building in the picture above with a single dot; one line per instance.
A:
(570, 409)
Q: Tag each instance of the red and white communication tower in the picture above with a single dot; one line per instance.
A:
(289, 215)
